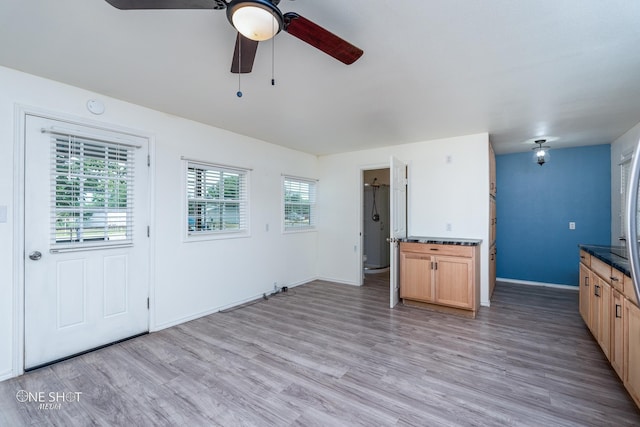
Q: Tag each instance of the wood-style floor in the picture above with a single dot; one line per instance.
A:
(335, 355)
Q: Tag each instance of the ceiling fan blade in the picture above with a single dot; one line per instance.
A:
(243, 55)
(167, 4)
(313, 34)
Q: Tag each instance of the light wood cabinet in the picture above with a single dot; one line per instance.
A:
(631, 333)
(628, 291)
(493, 252)
(492, 171)
(454, 281)
(616, 354)
(440, 274)
(416, 278)
(608, 307)
(493, 221)
(604, 325)
(585, 294)
(594, 308)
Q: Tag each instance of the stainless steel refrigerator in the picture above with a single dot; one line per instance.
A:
(631, 221)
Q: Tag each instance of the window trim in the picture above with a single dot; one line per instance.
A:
(313, 226)
(217, 234)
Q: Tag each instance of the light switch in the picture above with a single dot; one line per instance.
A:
(572, 225)
(3, 213)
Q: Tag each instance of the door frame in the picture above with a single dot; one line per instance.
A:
(21, 112)
(360, 263)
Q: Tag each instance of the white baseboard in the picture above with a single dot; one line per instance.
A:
(181, 320)
(6, 375)
(341, 282)
(530, 283)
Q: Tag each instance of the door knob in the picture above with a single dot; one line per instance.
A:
(35, 255)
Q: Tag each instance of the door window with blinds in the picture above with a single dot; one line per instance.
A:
(92, 192)
(299, 203)
(217, 202)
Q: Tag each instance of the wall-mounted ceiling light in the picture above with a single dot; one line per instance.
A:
(257, 20)
(541, 155)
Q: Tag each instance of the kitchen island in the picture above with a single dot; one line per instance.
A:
(441, 273)
(609, 307)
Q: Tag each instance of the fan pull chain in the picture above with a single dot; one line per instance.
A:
(239, 92)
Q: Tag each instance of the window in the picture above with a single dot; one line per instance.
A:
(216, 200)
(299, 203)
(92, 192)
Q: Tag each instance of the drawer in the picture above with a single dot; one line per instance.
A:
(435, 249)
(585, 258)
(617, 279)
(628, 290)
(602, 269)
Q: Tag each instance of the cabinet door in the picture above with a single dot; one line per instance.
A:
(616, 357)
(454, 281)
(604, 328)
(632, 350)
(492, 171)
(492, 269)
(585, 294)
(415, 276)
(492, 220)
(594, 307)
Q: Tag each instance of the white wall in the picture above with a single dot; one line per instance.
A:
(619, 148)
(196, 278)
(440, 192)
(188, 279)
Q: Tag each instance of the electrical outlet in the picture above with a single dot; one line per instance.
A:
(449, 226)
(572, 225)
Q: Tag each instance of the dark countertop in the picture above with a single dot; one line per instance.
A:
(442, 240)
(615, 256)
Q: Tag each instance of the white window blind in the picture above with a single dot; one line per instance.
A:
(91, 192)
(299, 203)
(217, 200)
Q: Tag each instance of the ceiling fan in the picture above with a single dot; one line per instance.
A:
(256, 21)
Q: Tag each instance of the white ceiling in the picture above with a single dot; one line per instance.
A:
(518, 69)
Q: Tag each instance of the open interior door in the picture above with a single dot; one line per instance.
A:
(398, 218)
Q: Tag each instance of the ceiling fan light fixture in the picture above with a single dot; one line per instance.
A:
(258, 20)
(541, 152)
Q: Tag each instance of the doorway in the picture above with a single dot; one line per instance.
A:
(396, 178)
(375, 221)
(86, 244)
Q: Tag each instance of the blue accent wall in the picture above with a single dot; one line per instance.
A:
(536, 203)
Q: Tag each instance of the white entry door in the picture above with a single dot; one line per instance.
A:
(398, 218)
(86, 272)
